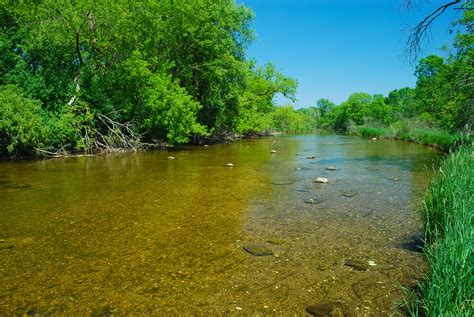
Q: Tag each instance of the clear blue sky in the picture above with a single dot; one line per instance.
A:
(337, 47)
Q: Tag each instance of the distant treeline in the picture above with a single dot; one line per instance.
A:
(442, 99)
(92, 75)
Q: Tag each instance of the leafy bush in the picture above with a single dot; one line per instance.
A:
(72, 128)
(23, 124)
(25, 128)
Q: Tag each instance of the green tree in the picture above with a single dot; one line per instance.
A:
(357, 107)
(262, 84)
(325, 106)
(163, 110)
(288, 120)
(379, 111)
(206, 41)
(402, 102)
(438, 100)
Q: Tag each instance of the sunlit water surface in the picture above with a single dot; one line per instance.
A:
(136, 234)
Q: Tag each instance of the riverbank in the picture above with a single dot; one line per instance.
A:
(436, 138)
(448, 214)
(197, 141)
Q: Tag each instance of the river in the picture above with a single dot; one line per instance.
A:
(140, 234)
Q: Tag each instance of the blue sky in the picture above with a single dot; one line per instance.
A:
(337, 47)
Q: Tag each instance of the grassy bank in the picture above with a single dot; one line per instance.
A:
(438, 138)
(448, 216)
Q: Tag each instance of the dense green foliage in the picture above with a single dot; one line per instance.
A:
(23, 123)
(25, 126)
(256, 103)
(448, 215)
(167, 70)
(287, 120)
(93, 75)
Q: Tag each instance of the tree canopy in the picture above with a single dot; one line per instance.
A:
(169, 70)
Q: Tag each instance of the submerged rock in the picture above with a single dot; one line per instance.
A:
(32, 312)
(321, 180)
(282, 183)
(258, 249)
(312, 201)
(357, 264)
(322, 310)
(349, 193)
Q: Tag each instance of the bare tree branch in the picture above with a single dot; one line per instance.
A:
(419, 33)
(59, 153)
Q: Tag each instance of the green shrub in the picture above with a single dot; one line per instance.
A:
(72, 128)
(23, 125)
(26, 128)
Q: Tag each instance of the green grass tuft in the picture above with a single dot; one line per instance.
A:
(435, 137)
(410, 131)
(371, 132)
(448, 215)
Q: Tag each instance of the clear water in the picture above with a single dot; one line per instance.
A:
(136, 233)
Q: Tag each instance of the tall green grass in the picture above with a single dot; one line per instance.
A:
(448, 216)
(370, 132)
(413, 132)
(436, 137)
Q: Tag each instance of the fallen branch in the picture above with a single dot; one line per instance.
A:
(113, 136)
(59, 153)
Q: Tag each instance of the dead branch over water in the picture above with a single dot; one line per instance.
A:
(420, 32)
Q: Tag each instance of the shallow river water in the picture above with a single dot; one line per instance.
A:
(138, 234)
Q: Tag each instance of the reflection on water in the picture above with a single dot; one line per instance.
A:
(138, 233)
